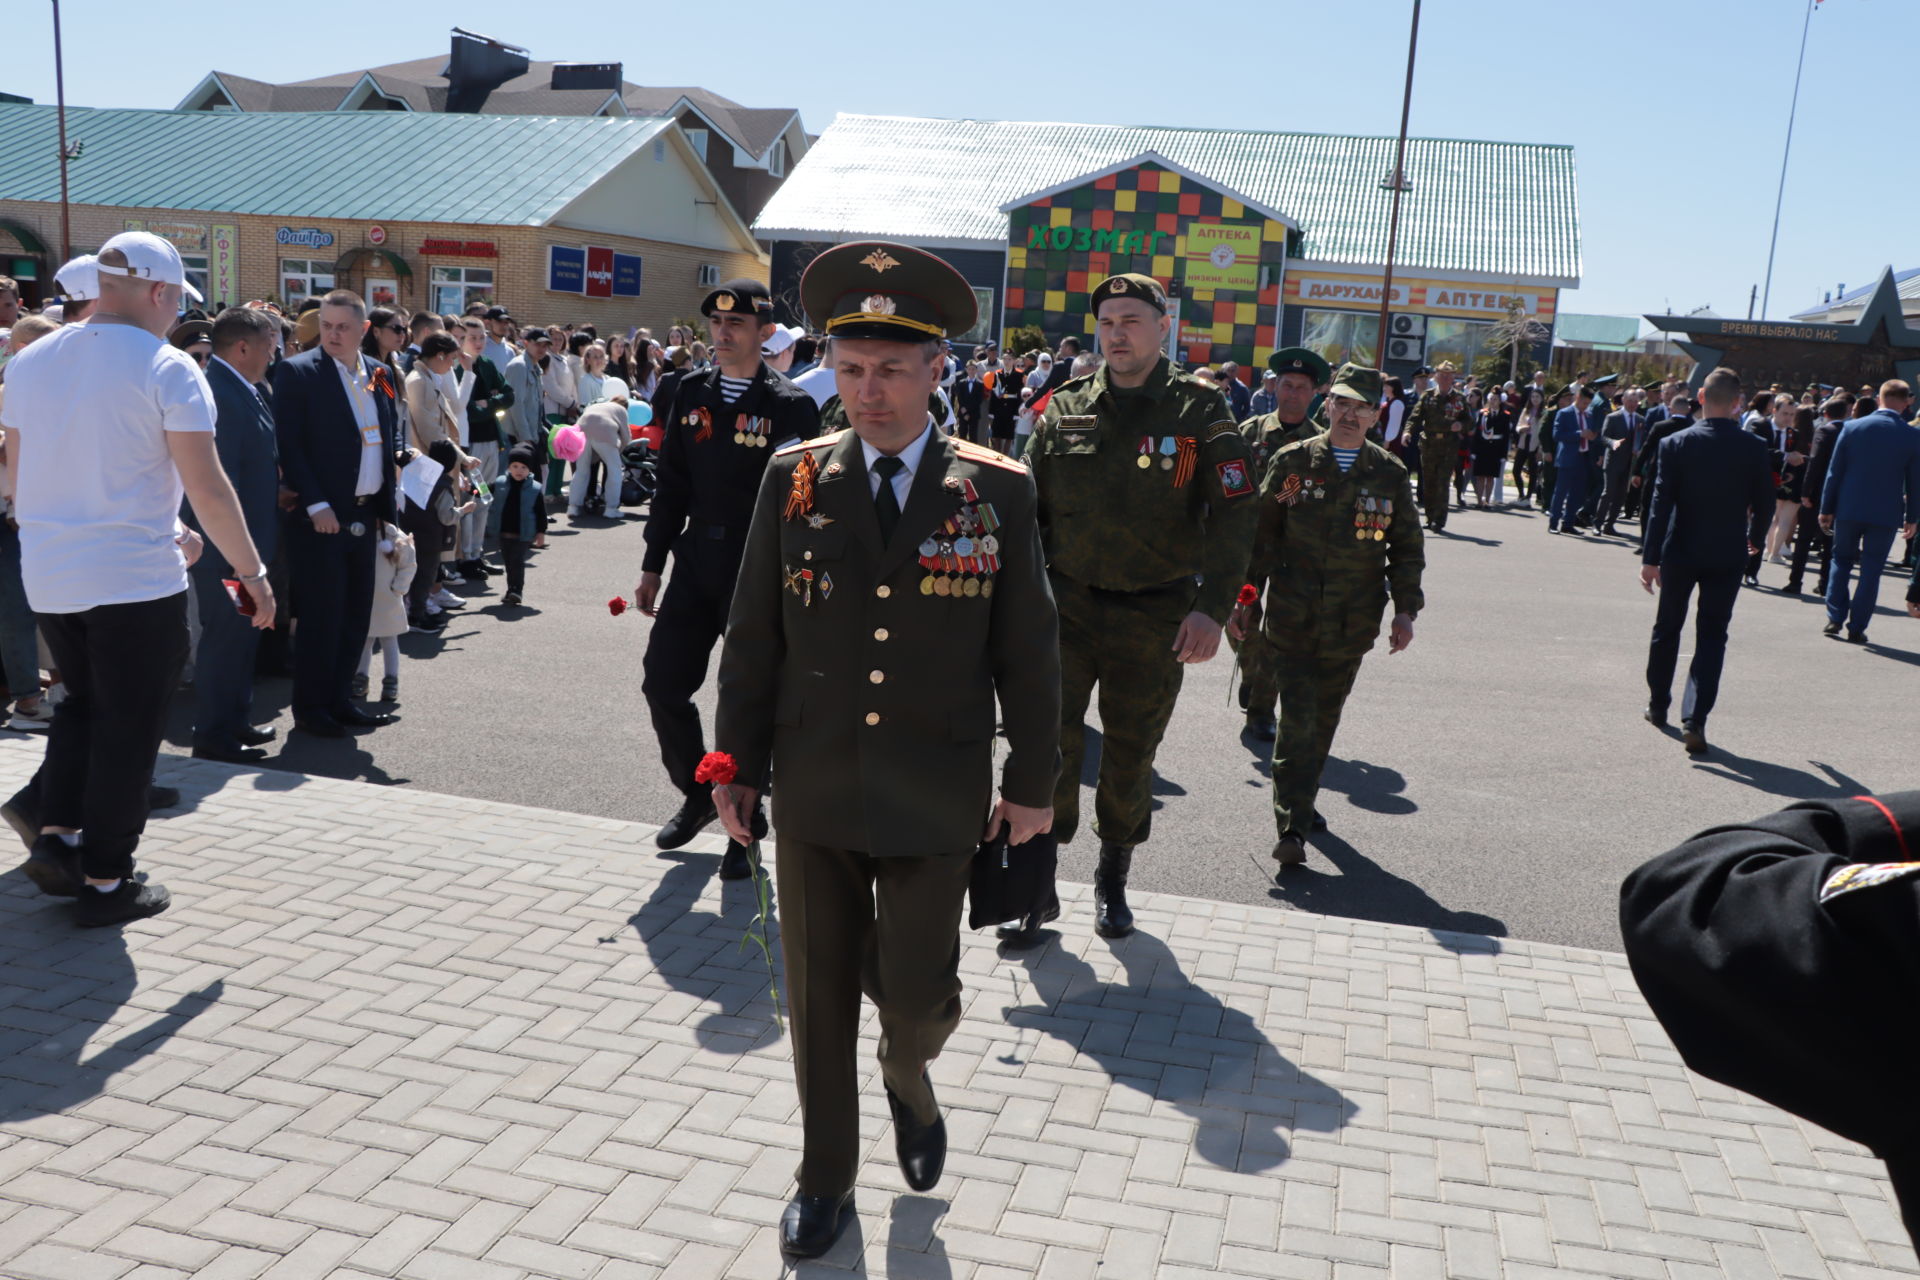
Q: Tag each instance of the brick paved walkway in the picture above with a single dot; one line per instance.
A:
(385, 1033)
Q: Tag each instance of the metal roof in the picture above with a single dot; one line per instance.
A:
(398, 166)
(1509, 209)
(1854, 300)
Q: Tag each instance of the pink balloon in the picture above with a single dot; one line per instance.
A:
(569, 443)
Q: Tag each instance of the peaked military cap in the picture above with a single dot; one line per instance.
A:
(1130, 285)
(740, 296)
(1446, 366)
(891, 292)
(1300, 360)
(1355, 382)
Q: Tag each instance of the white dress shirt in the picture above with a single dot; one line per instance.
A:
(909, 456)
(360, 393)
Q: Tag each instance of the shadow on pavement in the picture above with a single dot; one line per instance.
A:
(699, 953)
(1365, 890)
(1781, 779)
(913, 1247)
(1176, 1042)
(1372, 787)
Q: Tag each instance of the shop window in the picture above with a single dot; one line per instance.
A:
(303, 278)
(1461, 341)
(457, 288)
(1342, 336)
(197, 275)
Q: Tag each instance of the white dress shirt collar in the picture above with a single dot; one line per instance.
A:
(909, 457)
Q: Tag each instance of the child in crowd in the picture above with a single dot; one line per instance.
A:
(523, 518)
(393, 576)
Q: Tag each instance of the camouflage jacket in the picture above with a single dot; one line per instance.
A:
(1111, 513)
(1331, 548)
(1436, 418)
(1266, 435)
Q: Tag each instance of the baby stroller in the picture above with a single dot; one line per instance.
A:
(638, 468)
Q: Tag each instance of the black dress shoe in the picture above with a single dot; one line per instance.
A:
(812, 1223)
(1262, 726)
(130, 900)
(230, 755)
(320, 726)
(734, 863)
(254, 736)
(1793, 588)
(355, 718)
(54, 867)
(1657, 717)
(1856, 637)
(920, 1148)
(1318, 824)
(694, 815)
(1018, 935)
(22, 813)
(162, 797)
(1831, 629)
(1694, 739)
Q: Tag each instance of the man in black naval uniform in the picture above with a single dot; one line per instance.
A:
(893, 605)
(1782, 956)
(722, 426)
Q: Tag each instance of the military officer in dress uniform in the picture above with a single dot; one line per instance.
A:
(1337, 538)
(1146, 509)
(893, 591)
(1302, 373)
(721, 427)
(1438, 417)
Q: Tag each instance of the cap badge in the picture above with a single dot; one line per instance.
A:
(1118, 286)
(724, 302)
(880, 260)
(879, 304)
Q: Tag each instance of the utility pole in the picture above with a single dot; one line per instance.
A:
(1398, 182)
(1750, 297)
(60, 108)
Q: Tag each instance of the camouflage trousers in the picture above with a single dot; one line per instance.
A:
(1122, 642)
(1259, 667)
(1436, 482)
(1313, 692)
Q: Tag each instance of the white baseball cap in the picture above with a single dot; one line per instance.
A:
(79, 279)
(783, 336)
(148, 258)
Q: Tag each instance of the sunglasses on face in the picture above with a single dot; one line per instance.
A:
(201, 357)
(397, 328)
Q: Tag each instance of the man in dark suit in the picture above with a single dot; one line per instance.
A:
(337, 413)
(1871, 492)
(243, 345)
(1616, 439)
(1574, 430)
(969, 404)
(1677, 417)
(1711, 502)
(1810, 536)
(892, 595)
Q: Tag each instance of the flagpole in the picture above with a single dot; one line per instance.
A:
(1773, 244)
(1399, 181)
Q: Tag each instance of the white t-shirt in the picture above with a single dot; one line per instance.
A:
(818, 382)
(97, 497)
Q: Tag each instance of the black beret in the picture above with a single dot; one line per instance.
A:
(1131, 285)
(742, 296)
(891, 292)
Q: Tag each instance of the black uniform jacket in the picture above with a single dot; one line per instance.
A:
(872, 696)
(1783, 958)
(707, 477)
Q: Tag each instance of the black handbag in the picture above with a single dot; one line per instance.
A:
(1013, 882)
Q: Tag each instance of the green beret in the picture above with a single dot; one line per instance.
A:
(890, 292)
(1300, 360)
(1131, 285)
(1354, 382)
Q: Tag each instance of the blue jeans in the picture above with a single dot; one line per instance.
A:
(1569, 493)
(19, 654)
(1856, 542)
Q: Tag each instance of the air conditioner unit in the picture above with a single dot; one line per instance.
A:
(1407, 350)
(1408, 326)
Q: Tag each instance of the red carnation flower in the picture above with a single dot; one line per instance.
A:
(617, 606)
(716, 766)
(1248, 595)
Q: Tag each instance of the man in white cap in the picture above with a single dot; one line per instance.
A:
(778, 349)
(114, 426)
(79, 286)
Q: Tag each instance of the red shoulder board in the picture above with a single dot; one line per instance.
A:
(987, 457)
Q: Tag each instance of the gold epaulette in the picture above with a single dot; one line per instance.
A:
(980, 453)
(832, 437)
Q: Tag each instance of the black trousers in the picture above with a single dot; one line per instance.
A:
(332, 576)
(690, 620)
(513, 557)
(1807, 538)
(120, 663)
(1613, 498)
(1718, 591)
(431, 539)
(223, 668)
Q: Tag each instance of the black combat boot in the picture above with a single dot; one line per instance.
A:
(1111, 916)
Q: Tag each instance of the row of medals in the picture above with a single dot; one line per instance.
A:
(1370, 524)
(1169, 445)
(958, 584)
(756, 439)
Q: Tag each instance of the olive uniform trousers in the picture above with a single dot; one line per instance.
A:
(854, 923)
(1259, 667)
(1436, 479)
(1122, 641)
(1313, 692)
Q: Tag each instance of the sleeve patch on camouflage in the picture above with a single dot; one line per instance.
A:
(1219, 429)
(1865, 875)
(1234, 482)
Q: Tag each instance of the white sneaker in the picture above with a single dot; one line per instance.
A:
(446, 599)
(433, 609)
(56, 693)
(31, 721)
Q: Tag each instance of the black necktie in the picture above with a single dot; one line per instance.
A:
(886, 503)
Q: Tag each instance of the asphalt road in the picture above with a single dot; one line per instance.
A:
(1496, 778)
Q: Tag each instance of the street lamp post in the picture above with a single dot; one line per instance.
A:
(60, 109)
(1398, 181)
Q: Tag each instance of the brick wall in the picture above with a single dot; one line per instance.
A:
(669, 288)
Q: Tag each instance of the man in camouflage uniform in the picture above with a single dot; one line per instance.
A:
(1301, 373)
(1333, 543)
(1436, 417)
(1146, 511)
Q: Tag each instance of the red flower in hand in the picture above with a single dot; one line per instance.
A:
(716, 766)
(617, 606)
(1248, 595)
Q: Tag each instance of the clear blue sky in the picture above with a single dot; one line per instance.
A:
(1677, 109)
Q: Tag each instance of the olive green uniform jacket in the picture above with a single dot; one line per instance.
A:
(873, 701)
(1327, 585)
(1266, 435)
(1110, 523)
(1435, 417)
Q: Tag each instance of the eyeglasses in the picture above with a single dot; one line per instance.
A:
(397, 328)
(201, 357)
